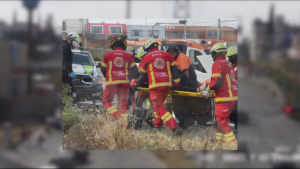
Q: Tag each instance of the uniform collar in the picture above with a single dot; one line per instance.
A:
(220, 58)
(119, 48)
(154, 49)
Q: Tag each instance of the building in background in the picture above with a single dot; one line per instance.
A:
(98, 34)
(227, 34)
(135, 32)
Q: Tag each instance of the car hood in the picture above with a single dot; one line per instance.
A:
(82, 69)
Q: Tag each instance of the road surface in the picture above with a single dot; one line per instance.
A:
(268, 130)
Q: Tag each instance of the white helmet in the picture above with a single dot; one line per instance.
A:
(149, 43)
(74, 36)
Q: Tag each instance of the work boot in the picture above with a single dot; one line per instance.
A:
(139, 115)
(157, 129)
(178, 131)
(138, 124)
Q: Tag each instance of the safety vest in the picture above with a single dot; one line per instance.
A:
(157, 64)
(117, 63)
(223, 69)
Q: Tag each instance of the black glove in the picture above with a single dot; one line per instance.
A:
(175, 88)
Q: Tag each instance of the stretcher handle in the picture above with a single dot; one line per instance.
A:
(179, 93)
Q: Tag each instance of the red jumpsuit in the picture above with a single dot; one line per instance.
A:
(226, 97)
(161, 70)
(117, 64)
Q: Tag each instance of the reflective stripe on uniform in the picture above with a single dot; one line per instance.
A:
(126, 70)
(229, 85)
(229, 134)
(124, 116)
(224, 99)
(142, 70)
(173, 63)
(160, 84)
(229, 137)
(103, 64)
(109, 72)
(216, 75)
(152, 74)
(219, 136)
(117, 82)
(112, 109)
(177, 80)
(132, 65)
(155, 115)
(169, 71)
(166, 117)
(148, 104)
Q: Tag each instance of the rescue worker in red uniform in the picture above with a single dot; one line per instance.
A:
(225, 87)
(162, 73)
(232, 55)
(119, 68)
(232, 58)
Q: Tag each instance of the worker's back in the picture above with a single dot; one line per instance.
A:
(228, 90)
(188, 81)
(158, 66)
(117, 63)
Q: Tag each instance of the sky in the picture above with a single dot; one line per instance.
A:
(206, 12)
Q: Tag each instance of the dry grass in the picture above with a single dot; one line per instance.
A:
(103, 133)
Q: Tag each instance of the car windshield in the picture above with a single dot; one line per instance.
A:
(82, 58)
(182, 46)
(207, 51)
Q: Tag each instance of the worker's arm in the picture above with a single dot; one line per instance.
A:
(133, 71)
(175, 74)
(141, 79)
(142, 71)
(103, 66)
(217, 84)
(216, 77)
(186, 72)
(67, 57)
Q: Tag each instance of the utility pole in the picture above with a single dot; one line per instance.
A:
(30, 5)
(184, 22)
(128, 9)
(219, 30)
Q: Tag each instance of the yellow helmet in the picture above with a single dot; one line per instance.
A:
(218, 47)
(149, 43)
(233, 50)
(118, 41)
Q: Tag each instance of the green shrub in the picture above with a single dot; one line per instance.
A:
(70, 115)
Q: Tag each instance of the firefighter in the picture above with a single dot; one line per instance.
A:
(72, 41)
(118, 67)
(188, 78)
(232, 58)
(162, 73)
(225, 87)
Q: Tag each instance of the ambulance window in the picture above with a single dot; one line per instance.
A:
(193, 54)
(197, 64)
